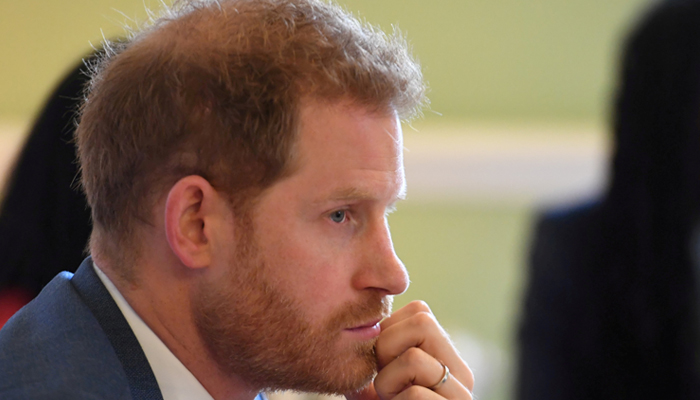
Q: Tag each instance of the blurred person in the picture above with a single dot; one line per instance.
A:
(239, 158)
(44, 217)
(611, 306)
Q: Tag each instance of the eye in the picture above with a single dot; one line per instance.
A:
(338, 216)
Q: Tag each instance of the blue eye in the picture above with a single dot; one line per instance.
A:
(338, 216)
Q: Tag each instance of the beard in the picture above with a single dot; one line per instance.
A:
(255, 330)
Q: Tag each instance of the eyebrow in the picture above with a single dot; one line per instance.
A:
(353, 193)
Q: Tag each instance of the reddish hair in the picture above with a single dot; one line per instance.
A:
(212, 88)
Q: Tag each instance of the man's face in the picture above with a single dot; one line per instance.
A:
(314, 268)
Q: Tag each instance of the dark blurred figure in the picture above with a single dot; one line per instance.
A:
(611, 309)
(44, 218)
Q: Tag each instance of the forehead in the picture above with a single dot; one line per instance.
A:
(343, 150)
(345, 130)
(343, 133)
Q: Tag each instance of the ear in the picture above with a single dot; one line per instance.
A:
(191, 207)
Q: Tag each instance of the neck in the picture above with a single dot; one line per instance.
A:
(162, 299)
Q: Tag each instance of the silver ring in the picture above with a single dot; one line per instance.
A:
(444, 378)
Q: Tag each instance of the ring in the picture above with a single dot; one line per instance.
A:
(444, 378)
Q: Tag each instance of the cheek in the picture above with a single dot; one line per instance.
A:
(317, 277)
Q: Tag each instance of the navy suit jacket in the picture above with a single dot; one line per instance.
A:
(72, 342)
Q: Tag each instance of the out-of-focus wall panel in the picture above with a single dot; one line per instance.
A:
(496, 59)
(513, 59)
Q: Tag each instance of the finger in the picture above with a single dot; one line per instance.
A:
(419, 392)
(422, 331)
(450, 387)
(416, 367)
(366, 393)
(404, 312)
(413, 367)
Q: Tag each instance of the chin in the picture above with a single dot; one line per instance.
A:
(350, 369)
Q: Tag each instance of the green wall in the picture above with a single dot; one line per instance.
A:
(484, 59)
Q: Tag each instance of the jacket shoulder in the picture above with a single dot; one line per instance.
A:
(55, 345)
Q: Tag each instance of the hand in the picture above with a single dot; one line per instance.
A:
(410, 350)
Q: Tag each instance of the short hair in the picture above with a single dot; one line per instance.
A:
(212, 88)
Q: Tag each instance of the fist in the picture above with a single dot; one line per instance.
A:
(417, 360)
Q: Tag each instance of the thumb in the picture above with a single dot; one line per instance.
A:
(366, 393)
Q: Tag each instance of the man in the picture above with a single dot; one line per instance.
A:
(240, 158)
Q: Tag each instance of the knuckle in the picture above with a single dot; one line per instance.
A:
(415, 392)
(417, 306)
(424, 319)
(412, 356)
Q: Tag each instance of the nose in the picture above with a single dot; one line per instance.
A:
(381, 269)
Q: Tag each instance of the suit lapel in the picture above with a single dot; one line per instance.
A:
(142, 382)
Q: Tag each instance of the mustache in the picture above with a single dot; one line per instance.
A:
(374, 306)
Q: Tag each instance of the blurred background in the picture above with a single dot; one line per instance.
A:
(519, 120)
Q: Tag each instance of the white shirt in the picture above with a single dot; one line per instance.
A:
(176, 382)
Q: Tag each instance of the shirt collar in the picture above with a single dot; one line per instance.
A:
(176, 382)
